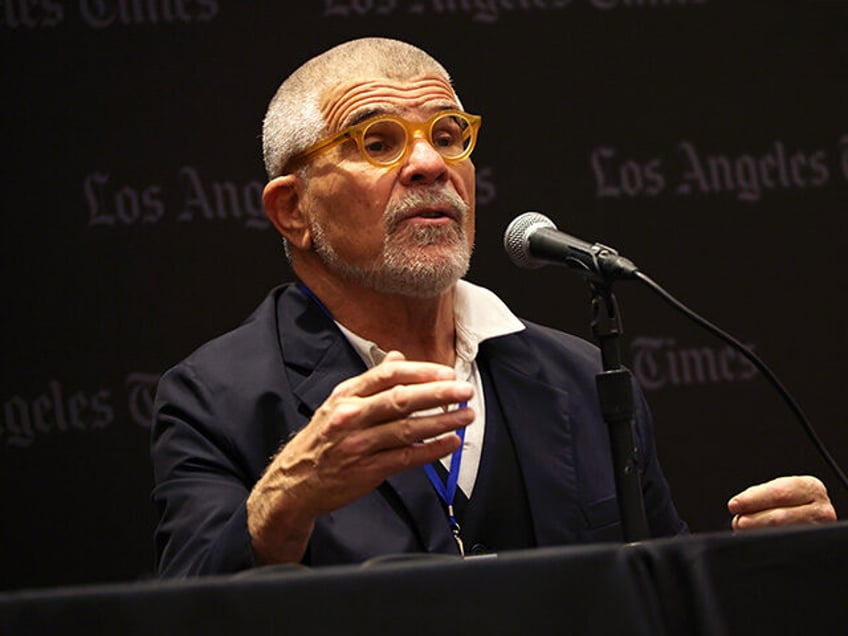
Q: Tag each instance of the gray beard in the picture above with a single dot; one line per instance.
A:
(403, 269)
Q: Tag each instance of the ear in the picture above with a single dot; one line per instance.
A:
(281, 199)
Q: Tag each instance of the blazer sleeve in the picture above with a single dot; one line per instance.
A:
(202, 481)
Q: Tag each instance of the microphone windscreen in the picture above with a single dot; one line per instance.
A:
(516, 238)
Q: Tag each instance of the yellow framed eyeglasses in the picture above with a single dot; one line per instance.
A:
(385, 141)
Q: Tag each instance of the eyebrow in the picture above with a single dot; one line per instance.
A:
(366, 114)
(389, 109)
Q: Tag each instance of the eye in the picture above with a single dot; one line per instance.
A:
(384, 141)
(374, 146)
(449, 133)
(380, 146)
(444, 140)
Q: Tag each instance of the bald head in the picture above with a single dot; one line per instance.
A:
(294, 120)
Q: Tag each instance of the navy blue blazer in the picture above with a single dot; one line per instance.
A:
(221, 414)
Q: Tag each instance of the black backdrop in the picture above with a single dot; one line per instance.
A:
(705, 139)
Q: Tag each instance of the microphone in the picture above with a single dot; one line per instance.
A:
(532, 240)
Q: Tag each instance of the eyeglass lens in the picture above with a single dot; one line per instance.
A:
(385, 140)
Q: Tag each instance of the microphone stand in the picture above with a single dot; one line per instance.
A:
(615, 393)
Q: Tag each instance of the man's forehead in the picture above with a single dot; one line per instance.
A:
(348, 103)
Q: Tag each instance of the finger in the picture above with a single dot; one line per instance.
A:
(818, 512)
(783, 492)
(395, 460)
(390, 373)
(407, 431)
(402, 400)
(339, 418)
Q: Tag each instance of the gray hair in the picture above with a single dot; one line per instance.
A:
(294, 122)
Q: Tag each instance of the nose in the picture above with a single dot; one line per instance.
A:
(423, 164)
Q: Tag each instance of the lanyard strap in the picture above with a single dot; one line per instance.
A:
(315, 298)
(447, 490)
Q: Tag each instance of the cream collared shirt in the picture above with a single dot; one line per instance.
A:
(479, 315)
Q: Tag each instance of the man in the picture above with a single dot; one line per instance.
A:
(327, 428)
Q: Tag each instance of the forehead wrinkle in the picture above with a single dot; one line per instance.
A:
(383, 96)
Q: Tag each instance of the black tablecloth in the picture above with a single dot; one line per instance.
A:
(780, 582)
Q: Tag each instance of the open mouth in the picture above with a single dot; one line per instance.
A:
(433, 215)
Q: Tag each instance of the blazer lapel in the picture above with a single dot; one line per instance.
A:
(537, 415)
(425, 509)
(317, 358)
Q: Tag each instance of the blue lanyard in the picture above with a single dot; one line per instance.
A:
(447, 490)
(315, 298)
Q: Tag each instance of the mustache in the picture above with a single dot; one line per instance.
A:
(437, 197)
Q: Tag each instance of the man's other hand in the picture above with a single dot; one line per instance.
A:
(781, 502)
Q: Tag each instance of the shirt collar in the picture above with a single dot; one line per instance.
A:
(478, 315)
